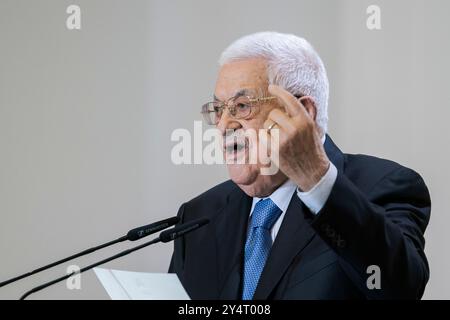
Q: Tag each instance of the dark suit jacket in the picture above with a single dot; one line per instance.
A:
(376, 214)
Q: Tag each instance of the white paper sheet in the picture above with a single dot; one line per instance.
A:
(127, 285)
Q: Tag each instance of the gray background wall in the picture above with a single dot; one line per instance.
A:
(86, 116)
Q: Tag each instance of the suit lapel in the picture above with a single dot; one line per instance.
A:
(231, 233)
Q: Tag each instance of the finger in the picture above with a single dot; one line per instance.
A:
(283, 120)
(268, 148)
(267, 124)
(271, 125)
(264, 145)
(292, 105)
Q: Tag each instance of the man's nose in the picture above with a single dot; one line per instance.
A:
(227, 122)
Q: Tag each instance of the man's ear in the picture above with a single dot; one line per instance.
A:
(310, 106)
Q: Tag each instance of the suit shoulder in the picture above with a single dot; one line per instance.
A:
(357, 161)
(371, 169)
(210, 201)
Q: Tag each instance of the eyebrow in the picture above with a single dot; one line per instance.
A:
(240, 93)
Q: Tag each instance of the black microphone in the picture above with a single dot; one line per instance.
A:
(167, 235)
(172, 234)
(141, 232)
(132, 235)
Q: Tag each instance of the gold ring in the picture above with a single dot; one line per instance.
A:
(271, 127)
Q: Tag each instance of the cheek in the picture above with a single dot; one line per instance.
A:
(243, 174)
(257, 123)
(252, 130)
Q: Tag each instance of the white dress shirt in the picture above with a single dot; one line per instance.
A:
(314, 199)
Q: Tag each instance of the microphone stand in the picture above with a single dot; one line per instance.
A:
(121, 254)
(165, 236)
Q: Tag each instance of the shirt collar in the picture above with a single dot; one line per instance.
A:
(281, 196)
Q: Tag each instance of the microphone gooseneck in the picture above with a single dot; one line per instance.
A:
(165, 236)
(132, 235)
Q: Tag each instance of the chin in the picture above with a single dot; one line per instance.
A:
(248, 178)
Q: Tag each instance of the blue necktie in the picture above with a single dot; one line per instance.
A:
(258, 244)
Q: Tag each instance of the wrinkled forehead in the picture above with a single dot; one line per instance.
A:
(243, 92)
(241, 78)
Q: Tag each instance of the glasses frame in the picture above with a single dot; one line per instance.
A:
(232, 108)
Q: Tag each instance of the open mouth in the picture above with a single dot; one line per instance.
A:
(235, 145)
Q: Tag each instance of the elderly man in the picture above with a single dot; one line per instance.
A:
(326, 225)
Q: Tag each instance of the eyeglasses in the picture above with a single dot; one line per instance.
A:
(241, 107)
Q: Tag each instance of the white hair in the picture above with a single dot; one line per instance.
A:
(292, 64)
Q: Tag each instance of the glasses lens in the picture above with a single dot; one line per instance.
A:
(212, 112)
(242, 107)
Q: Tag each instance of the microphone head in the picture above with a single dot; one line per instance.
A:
(141, 232)
(172, 234)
